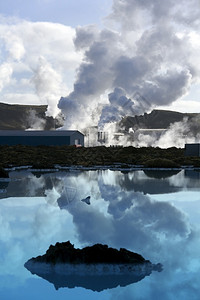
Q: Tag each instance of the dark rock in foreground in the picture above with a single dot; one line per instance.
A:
(66, 253)
(97, 267)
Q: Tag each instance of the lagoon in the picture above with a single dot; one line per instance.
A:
(153, 213)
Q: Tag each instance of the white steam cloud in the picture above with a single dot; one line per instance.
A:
(144, 58)
(177, 135)
(48, 85)
(34, 122)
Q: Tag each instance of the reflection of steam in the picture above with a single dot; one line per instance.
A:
(147, 185)
(118, 216)
(149, 220)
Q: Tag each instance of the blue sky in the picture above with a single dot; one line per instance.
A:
(97, 53)
(68, 12)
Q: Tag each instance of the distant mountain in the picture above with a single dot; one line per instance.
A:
(157, 119)
(21, 117)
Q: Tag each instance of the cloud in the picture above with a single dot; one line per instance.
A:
(48, 86)
(28, 98)
(6, 71)
(39, 61)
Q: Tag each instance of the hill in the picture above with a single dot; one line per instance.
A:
(157, 119)
(21, 117)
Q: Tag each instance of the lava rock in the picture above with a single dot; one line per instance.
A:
(98, 253)
(97, 267)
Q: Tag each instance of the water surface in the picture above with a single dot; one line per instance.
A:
(153, 213)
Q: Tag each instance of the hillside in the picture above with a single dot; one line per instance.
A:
(21, 117)
(157, 119)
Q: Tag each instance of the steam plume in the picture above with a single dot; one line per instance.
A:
(143, 59)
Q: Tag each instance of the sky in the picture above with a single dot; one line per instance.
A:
(100, 60)
(38, 59)
(67, 12)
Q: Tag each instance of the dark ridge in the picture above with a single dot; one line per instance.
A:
(157, 119)
(16, 117)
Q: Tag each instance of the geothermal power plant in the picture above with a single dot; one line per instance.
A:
(41, 137)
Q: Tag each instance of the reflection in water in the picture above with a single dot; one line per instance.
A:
(160, 174)
(125, 211)
(96, 283)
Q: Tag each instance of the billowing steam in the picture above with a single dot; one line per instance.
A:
(178, 133)
(48, 85)
(34, 122)
(144, 57)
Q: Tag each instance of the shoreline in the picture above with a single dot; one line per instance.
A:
(131, 168)
(94, 158)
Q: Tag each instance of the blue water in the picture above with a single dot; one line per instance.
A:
(156, 214)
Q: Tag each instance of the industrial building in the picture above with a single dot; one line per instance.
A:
(192, 149)
(39, 137)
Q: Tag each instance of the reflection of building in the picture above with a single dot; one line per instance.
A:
(192, 149)
(160, 182)
(39, 137)
(148, 185)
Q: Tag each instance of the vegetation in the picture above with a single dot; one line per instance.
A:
(48, 156)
